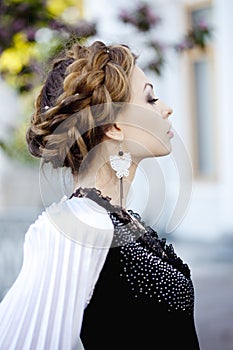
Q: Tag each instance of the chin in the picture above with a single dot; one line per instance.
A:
(165, 152)
(168, 148)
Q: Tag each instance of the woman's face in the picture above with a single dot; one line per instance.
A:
(145, 121)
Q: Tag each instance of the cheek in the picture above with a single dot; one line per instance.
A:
(142, 143)
(154, 127)
(142, 123)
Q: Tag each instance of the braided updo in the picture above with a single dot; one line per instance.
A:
(76, 103)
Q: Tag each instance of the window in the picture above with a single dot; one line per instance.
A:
(201, 81)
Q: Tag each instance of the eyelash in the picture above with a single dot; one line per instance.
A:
(152, 100)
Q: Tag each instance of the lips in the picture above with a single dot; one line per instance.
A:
(170, 133)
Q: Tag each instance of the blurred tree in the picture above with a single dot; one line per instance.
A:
(31, 33)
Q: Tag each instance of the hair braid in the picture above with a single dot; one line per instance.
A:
(76, 102)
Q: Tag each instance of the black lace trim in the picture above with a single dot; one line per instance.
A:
(129, 227)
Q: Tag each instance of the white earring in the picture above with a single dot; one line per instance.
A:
(120, 164)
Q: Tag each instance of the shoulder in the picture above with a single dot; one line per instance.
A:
(80, 220)
(89, 212)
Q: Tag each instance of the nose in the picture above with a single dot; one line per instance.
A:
(167, 111)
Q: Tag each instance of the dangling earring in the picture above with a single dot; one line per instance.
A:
(121, 163)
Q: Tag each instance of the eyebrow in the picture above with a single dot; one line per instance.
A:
(148, 84)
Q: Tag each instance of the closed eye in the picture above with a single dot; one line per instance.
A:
(152, 100)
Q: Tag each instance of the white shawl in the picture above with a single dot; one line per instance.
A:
(64, 252)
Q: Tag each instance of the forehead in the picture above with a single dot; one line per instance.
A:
(138, 76)
(138, 81)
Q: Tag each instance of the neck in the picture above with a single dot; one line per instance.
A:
(100, 175)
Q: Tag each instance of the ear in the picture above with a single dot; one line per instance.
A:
(115, 132)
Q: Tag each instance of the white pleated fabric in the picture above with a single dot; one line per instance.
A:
(64, 252)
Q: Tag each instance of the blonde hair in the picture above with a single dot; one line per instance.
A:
(76, 103)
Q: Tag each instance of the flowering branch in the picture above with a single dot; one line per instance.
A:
(197, 36)
(31, 32)
(144, 19)
(23, 47)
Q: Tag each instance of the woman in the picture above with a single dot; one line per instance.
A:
(92, 269)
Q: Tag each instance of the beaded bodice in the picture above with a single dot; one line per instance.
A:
(149, 265)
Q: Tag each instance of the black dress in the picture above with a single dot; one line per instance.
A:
(144, 297)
